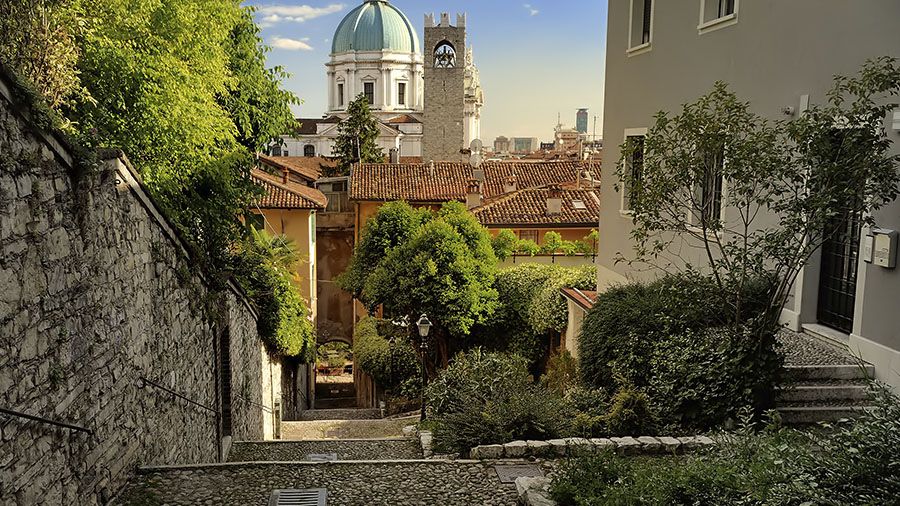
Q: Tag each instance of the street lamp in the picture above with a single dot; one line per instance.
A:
(424, 325)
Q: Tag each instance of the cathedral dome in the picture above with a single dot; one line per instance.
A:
(375, 25)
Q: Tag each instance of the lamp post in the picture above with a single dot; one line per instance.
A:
(424, 325)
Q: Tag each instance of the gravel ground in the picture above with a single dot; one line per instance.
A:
(463, 483)
(346, 429)
(292, 451)
(801, 349)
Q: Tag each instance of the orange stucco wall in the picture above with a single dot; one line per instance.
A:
(299, 226)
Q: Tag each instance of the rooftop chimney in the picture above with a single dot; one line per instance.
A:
(395, 155)
(554, 200)
(431, 168)
(473, 194)
(284, 176)
(509, 184)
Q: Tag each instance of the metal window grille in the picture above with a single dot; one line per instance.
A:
(298, 497)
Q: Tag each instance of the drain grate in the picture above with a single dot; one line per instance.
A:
(298, 497)
(322, 457)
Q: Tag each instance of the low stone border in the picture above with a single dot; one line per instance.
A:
(534, 491)
(574, 446)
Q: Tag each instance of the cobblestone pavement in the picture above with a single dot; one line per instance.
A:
(292, 451)
(463, 483)
(800, 349)
(346, 429)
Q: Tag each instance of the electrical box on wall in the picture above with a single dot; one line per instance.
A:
(880, 247)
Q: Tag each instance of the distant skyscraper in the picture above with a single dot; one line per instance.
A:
(581, 121)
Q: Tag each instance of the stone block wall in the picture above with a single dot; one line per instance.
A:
(445, 90)
(96, 292)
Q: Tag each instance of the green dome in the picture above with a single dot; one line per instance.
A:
(375, 25)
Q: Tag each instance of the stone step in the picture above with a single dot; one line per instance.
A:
(340, 414)
(804, 415)
(822, 392)
(335, 403)
(307, 450)
(830, 372)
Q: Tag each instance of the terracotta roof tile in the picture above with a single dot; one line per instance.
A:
(307, 167)
(310, 126)
(403, 118)
(449, 180)
(529, 207)
(584, 298)
(290, 195)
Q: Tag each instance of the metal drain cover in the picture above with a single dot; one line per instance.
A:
(322, 457)
(298, 497)
(508, 474)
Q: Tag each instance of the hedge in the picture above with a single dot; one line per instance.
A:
(372, 354)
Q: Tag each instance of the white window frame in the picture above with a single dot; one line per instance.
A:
(711, 25)
(694, 224)
(645, 46)
(403, 98)
(373, 82)
(623, 209)
(340, 93)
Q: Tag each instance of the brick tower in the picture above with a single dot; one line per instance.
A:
(445, 88)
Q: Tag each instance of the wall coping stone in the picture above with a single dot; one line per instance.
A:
(642, 445)
(226, 465)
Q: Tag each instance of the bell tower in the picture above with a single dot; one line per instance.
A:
(445, 84)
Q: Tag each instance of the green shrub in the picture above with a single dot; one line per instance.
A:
(562, 373)
(487, 398)
(372, 354)
(848, 463)
(591, 406)
(548, 310)
(630, 413)
(266, 272)
(668, 339)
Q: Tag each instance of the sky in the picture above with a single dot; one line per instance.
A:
(536, 59)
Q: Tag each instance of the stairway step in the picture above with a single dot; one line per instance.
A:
(842, 372)
(801, 415)
(824, 392)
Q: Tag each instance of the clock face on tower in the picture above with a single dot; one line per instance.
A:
(444, 56)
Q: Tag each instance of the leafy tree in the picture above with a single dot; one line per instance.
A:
(357, 140)
(392, 225)
(504, 244)
(788, 183)
(445, 269)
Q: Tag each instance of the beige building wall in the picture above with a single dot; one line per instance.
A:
(300, 226)
(775, 54)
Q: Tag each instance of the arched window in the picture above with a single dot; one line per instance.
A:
(309, 150)
(444, 56)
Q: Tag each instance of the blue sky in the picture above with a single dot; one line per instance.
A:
(536, 58)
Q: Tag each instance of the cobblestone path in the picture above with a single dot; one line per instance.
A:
(803, 350)
(439, 483)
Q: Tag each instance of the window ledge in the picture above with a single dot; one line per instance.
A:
(641, 49)
(715, 24)
(709, 233)
(625, 213)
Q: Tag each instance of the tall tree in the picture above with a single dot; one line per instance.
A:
(357, 140)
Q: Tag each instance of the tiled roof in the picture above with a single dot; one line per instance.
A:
(584, 298)
(290, 195)
(310, 126)
(449, 180)
(403, 118)
(529, 207)
(307, 167)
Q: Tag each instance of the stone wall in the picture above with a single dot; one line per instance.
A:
(445, 90)
(96, 294)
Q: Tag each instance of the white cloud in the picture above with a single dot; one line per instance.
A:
(291, 44)
(298, 13)
(531, 10)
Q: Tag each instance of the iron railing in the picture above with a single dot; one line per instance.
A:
(47, 421)
(248, 401)
(145, 381)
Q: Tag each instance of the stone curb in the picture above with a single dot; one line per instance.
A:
(570, 447)
(227, 465)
